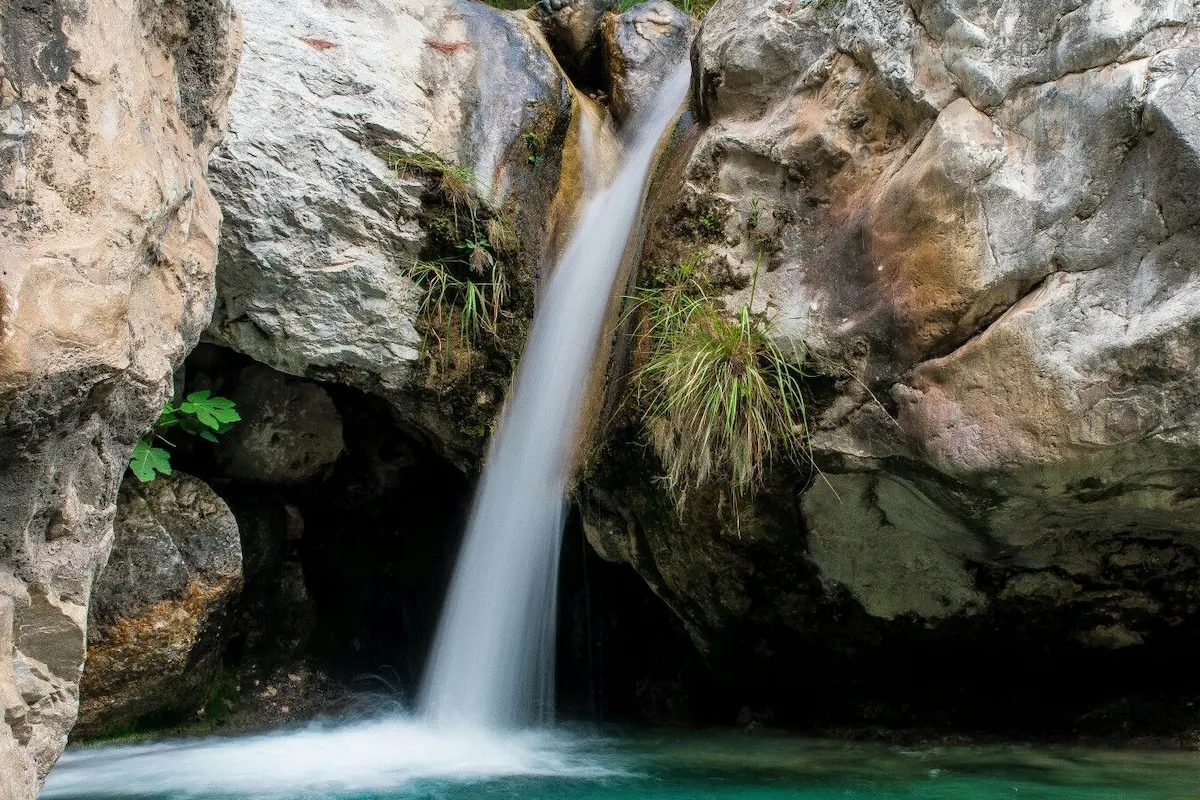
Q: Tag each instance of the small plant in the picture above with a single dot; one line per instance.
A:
(535, 143)
(722, 400)
(465, 306)
(754, 218)
(455, 183)
(708, 222)
(462, 269)
(201, 414)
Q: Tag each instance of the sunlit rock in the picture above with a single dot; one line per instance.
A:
(323, 221)
(108, 236)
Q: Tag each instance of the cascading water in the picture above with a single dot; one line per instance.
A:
(492, 663)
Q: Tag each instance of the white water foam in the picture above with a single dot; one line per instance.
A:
(322, 761)
(492, 663)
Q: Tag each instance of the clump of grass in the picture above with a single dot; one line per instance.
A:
(722, 400)
(465, 306)
(464, 280)
(455, 183)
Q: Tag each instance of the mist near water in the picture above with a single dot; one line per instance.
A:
(325, 760)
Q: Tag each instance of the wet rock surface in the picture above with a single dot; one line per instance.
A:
(573, 27)
(107, 251)
(159, 617)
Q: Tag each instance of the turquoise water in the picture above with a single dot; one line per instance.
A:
(395, 760)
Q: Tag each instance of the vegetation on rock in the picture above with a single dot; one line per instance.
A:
(721, 400)
(201, 414)
(465, 283)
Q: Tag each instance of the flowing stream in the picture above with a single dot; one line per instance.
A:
(492, 662)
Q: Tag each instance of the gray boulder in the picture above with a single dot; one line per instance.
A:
(158, 619)
(290, 429)
(321, 224)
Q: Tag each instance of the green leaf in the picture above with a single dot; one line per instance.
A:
(146, 461)
(209, 411)
(168, 418)
(208, 435)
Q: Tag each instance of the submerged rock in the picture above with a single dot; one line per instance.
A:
(159, 613)
(641, 47)
(984, 235)
(108, 236)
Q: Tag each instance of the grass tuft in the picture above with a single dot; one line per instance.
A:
(722, 401)
(465, 283)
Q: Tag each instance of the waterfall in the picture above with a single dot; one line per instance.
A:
(493, 659)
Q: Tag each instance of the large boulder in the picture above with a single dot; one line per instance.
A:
(108, 236)
(641, 47)
(160, 609)
(979, 219)
(346, 120)
(290, 430)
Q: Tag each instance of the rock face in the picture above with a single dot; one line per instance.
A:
(107, 250)
(640, 47)
(324, 220)
(980, 219)
(574, 28)
(158, 619)
(290, 429)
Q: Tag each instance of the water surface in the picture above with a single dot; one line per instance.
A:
(398, 759)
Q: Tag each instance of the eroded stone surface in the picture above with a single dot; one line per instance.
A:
(107, 250)
(158, 618)
(641, 47)
(290, 429)
(574, 28)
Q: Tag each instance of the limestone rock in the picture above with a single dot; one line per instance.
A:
(107, 251)
(980, 220)
(641, 46)
(290, 429)
(159, 608)
(320, 228)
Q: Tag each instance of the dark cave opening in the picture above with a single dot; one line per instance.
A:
(347, 567)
